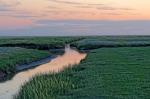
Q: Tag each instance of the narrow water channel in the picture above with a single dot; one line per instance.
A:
(10, 88)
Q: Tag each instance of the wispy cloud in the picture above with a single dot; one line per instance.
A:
(113, 8)
(67, 12)
(52, 7)
(66, 2)
(8, 6)
(9, 3)
(20, 15)
(4, 9)
(99, 6)
(83, 6)
(104, 8)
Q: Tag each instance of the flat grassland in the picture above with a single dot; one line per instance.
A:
(106, 73)
(111, 41)
(85, 43)
(42, 43)
(12, 56)
(116, 67)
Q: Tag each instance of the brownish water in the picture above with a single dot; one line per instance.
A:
(10, 88)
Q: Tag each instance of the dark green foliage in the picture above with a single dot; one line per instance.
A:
(47, 86)
(112, 41)
(106, 73)
(42, 43)
(10, 57)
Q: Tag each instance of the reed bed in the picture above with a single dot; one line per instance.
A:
(112, 41)
(11, 57)
(42, 43)
(106, 73)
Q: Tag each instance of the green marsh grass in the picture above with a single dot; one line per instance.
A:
(106, 73)
(10, 57)
(112, 41)
(42, 43)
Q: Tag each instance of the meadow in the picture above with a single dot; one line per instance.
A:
(106, 73)
(116, 67)
(81, 43)
(42, 43)
(111, 41)
(10, 57)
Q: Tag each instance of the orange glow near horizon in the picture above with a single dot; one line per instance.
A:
(73, 9)
(8, 22)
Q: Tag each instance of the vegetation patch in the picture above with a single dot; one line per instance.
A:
(112, 41)
(107, 73)
(42, 43)
(11, 57)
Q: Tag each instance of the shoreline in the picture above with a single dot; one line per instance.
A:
(33, 64)
(4, 76)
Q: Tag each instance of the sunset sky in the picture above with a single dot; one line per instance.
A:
(22, 14)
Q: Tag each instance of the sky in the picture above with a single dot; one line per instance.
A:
(74, 17)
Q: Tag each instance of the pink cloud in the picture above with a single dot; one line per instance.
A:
(10, 22)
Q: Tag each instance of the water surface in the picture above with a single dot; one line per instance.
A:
(10, 88)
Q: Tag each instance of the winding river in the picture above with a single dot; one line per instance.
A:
(10, 88)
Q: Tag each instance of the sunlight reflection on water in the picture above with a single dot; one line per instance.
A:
(10, 88)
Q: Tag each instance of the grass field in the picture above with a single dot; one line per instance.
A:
(106, 73)
(82, 43)
(112, 41)
(10, 57)
(44, 43)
